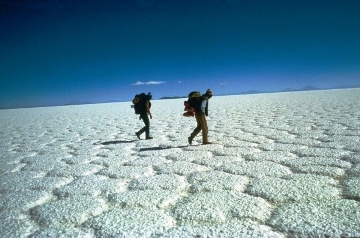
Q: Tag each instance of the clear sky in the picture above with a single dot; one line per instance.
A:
(69, 51)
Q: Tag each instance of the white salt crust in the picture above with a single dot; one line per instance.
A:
(295, 188)
(216, 161)
(333, 218)
(154, 199)
(62, 232)
(216, 181)
(66, 212)
(77, 170)
(134, 222)
(180, 168)
(282, 165)
(23, 200)
(280, 157)
(352, 188)
(255, 169)
(213, 208)
(235, 228)
(160, 181)
(127, 172)
(16, 224)
(92, 186)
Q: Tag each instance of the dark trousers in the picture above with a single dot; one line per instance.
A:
(201, 126)
(146, 128)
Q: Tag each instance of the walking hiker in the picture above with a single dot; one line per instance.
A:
(201, 111)
(142, 107)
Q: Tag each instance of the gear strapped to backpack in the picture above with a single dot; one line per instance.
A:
(139, 102)
(192, 104)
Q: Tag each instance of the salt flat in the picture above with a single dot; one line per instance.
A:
(283, 165)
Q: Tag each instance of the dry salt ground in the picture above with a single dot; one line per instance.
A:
(283, 165)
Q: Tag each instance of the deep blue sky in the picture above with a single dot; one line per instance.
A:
(65, 51)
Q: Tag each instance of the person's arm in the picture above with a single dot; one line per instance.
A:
(148, 109)
(203, 105)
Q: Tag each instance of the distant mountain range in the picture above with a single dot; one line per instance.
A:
(311, 88)
(306, 88)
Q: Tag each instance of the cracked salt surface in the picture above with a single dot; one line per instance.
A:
(134, 222)
(161, 181)
(154, 199)
(352, 188)
(332, 218)
(295, 188)
(217, 207)
(255, 169)
(93, 186)
(215, 181)
(280, 166)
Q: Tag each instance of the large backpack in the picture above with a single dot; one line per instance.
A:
(139, 103)
(193, 104)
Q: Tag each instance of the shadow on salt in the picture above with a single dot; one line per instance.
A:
(143, 149)
(117, 142)
(162, 148)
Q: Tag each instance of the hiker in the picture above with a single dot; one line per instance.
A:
(201, 112)
(142, 107)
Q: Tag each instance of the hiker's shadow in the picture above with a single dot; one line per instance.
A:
(162, 148)
(114, 142)
(142, 149)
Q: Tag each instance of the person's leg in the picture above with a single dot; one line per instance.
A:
(145, 119)
(147, 126)
(197, 129)
(204, 129)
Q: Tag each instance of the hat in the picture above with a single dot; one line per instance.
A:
(149, 96)
(208, 93)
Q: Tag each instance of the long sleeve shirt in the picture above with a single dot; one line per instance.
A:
(203, 105)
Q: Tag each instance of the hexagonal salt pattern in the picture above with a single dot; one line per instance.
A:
(61, 232)
(154, 199)
(217, 207)
(180, 167)
(295, 188)
(71, 211)
(355, 170)
(134, 222)
(23, 200)
(352, 188)
(326, 218)
(281, 165)
(216, 161)
(77, 170)
(274, 156)
(189, 156)
(234, 228)
(127, 172)
(161, 181)
(216, 181)
(93, 186)
(255, 169)
(16, 224)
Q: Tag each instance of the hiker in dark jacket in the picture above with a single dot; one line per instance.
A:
(200, 115)
(144, 116)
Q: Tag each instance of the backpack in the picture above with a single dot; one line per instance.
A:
(193, 104)
(139, 103)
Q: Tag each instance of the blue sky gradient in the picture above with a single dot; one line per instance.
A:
(55, 52)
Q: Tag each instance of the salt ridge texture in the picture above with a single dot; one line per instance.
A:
(283, 165)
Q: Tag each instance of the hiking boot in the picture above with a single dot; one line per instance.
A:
(207, 143)
(190, 140)
(149, 137)
(138, 135)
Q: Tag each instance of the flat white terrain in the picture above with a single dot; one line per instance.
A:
(283, 165)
